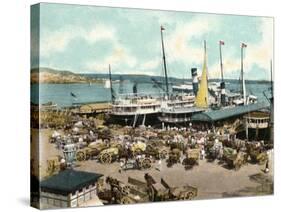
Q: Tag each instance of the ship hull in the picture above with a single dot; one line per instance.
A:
(134, 121)
(171, 120)
(178, 118)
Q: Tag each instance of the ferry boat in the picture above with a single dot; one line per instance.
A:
(136, 110)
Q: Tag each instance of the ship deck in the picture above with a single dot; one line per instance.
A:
(182, 110)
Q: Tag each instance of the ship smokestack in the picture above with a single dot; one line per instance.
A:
(135, 89)
(223, 101)
(194, 80)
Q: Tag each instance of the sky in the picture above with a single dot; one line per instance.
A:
(85, 39)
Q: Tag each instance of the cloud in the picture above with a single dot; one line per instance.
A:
(180, 42)
(119, 57)
(130, 41)
(100, 32)
(57, 41)
(257, 56)
(151, 64)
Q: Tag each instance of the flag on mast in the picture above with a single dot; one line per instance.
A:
(221, 42)
(162, 28)
(243, 45)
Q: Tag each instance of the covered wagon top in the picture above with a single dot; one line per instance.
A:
(68, 181)
(217, 115)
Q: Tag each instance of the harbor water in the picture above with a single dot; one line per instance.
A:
(61, 94)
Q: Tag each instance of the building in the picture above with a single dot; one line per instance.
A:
(232, 116)
(69, 188)
(258, 125)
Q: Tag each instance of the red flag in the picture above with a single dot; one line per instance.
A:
(221, 42)
(162, 28)
(243, 45)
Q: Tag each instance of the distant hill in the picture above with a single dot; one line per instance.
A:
(52, 76)
(172, 80)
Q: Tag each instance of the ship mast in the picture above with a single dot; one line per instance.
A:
(271, 80)
(243, 90)
(271, 124)
(221, 43)
(223, 102)
(164, 61)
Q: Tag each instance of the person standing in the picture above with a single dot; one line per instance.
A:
(266, 170)
(202, 153)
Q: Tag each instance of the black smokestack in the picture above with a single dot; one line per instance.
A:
(194, 80)
(135, 89)
(223, 101)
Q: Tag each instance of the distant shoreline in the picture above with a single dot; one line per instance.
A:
(52, 76)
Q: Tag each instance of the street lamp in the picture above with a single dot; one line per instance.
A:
(69, 153)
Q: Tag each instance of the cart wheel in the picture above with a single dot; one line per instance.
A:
(80, 156)
(105, 158)
(190, 195)
(125, 190)
(125, 200)
(146, 163)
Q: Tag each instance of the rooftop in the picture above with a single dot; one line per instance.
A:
(216, 115)
(69, 180)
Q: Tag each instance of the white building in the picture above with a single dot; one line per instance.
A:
(68, 188)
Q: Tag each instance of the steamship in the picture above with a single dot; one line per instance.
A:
(133, 109)
(173, 115)
(207, 96)
(177, 107)
(137, 109)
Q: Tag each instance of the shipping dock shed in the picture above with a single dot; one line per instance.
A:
(229, 118)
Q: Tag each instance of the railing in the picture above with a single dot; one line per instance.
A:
(257, 122)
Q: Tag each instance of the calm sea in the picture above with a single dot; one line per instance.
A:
(61, 93)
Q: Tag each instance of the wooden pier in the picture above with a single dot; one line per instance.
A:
(92, 108)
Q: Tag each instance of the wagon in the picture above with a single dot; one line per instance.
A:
(192, 157)
(157, 150)
(162, 191)
(108, 155)
(92, 150)
(256, 153)
(174, 157)
(122, 193)
(139, 163)
(233, 158)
